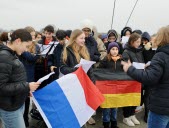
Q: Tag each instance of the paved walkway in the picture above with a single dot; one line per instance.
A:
(98, 119)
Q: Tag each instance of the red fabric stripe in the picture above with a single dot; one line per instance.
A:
(94, 97)
(118, 87)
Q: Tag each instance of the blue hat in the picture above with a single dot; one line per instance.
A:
(111, 45)
(146, 35)
(103, 36)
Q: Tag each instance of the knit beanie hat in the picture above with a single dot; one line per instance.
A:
(111, 45)
(103, 36)
(87, 24)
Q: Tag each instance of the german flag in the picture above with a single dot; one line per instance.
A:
(118, 88)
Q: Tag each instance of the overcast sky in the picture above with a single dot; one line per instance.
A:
(149, 15)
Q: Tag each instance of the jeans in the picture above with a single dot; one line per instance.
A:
(109, 114)
(128, 111)
(12, 119)
(157, 121)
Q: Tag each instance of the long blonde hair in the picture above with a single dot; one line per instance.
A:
(32, 48)
(162, 37)
(78, 51)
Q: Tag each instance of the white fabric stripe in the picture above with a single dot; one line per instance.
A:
(75, 94)
(41, 112)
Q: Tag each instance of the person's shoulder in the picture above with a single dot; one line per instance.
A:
(105, 58)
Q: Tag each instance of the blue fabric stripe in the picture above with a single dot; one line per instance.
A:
(56, 106)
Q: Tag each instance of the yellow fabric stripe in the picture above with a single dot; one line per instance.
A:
(121, 100)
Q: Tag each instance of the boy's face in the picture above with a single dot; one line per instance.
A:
(48, 35)
(105, 40)
(114, 51)
(111, 38)
(62, 42)
(144, 41)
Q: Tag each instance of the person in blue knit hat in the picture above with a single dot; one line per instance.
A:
(104, 38)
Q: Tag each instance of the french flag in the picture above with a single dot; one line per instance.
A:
(68, 102)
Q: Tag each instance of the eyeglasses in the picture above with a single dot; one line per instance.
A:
(86, 30)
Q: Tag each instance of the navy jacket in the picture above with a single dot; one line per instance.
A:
(91, 45)
(157, 77)
(28, 59)
(68, 67)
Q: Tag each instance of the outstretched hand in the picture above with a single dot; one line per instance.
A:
(33, 86)
(126, 65)
(52, 68)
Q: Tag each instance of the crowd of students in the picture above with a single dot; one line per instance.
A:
(22, 63)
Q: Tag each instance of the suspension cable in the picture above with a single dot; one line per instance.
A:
(131, 13)
(113, 14)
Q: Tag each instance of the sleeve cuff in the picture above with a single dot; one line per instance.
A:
(130, 70)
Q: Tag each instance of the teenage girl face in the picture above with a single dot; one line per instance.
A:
(136, 43)
(39, 37)
(80, 40)
(21, 47)
(128, 33)
(114, 51)
(33, 35)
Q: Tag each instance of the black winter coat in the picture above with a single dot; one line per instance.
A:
(13, 86)
(91, 45)
(156, 76)
(111, 65)
(135, 55)
(148, 54)
(57, 55)
(68, 67)
(43, 68)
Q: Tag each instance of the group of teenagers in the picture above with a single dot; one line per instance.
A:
(22, 63)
